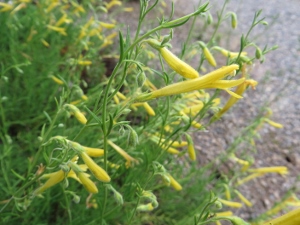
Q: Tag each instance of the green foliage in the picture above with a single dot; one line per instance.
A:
(66, 96)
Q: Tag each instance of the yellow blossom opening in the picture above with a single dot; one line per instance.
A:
(54, 179)
(129, 159)
(205, 81)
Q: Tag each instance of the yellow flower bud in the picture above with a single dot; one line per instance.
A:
(97, 171)
(243, 199)
(56, 80)
(87, 183)
(275, 169)
(174, 62)
(54, 179)
(233, 20)
(145, 208)
(210, 59)
(76, 112)
(148, 109)
(93, 152)
(272, 123)
(230, 203)
(174, 183)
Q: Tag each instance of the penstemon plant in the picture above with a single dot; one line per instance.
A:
(125, 135)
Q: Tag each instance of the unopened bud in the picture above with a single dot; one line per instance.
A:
(209, 19)
(76, 199)
(133, 138)
(218, 205)
(233, 20)
(265, 23)
(140, 78)
(258, 53)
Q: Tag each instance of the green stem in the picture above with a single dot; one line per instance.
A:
(44, 138)
(219, 20)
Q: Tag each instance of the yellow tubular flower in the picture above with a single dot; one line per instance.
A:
(54, 179)
(5, 7)
(87, 183)
(73, 175)
(19, 7)
(121, 96)
(173, 61)
(174, 183)
(58, 29)
(148, 109)
(191, 149)
(228, 53)
(248, 178)
(209, 57)
(230, 203)
(31, 34)
(243, 199)
(145, 208)
(45, 43)
(112, 3)
(193, 110)
(225, 213)
(84, 62)
(125, 155)
(107, 25)
(275, 169)
(272, 123)
(57, 80)
(93, 152)
(84, 97)
(191, 85)
(61, 20)
(150, 85)
(178, 65)
(194, 123)
(227, 192)
(80, 117)
(52, 6)
(232, 100)
(128, 9)
(291, 218)
(76, 112)
(171, 150)
(242, 162)
(178, 144)
(97, 171)
(116, 99)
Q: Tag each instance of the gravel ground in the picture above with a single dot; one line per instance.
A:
(278, 80)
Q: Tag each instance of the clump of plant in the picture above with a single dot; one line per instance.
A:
(84, 143)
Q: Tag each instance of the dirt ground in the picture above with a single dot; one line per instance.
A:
(279, 81)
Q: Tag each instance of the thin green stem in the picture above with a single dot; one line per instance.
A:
(37, 155)
(219, 21)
